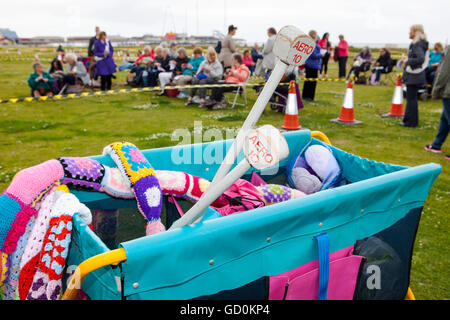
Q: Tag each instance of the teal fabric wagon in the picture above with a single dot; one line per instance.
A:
(353, 241)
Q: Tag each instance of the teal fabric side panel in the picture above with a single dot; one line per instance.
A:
(100, 284)
(355, 168)
(229, 252)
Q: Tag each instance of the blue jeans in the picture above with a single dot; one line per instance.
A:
(444, 126)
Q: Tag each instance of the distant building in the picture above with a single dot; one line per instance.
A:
(8, 35)
(41, 40)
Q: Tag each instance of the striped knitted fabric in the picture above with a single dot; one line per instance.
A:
(16, 203)
(141, 178)
(47, 281)
(30, 257)
(31, 183)
(14, 216)
(82, 173)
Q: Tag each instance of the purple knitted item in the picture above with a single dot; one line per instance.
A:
(273, 193)
(84, 173)
(148, 197)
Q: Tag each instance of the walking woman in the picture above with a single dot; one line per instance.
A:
(325, 49)
(103, 51)
(312, 67)
(414, 73)
(342, 50)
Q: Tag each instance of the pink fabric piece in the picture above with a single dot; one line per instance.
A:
(256, 180)
(241, 188)
(154, 227)
(31, 182)
(304, 280)
(18, 226)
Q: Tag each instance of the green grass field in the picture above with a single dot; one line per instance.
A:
(33, 132)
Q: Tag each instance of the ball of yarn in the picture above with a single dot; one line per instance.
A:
(322, 161)
(304, 181)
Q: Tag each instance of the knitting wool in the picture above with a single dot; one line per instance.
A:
(53, 256)
(11, 283)
(83, 173)
(274, 193)
(173, 182)
(140, 176)
(30, 257)
(31, 183)
(197, 186)
(14, 216)
(304, 181)
(4, 267)
(47, 280)
(130, 161)
(114, 184)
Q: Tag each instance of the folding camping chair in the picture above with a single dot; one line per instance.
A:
(391, 76)
(240, 91)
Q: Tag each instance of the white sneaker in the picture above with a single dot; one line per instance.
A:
(182, 95)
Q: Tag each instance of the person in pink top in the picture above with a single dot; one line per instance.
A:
(248, 61)
(342, 50)
(238, 73)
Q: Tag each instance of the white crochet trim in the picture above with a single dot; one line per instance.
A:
(153, 196)
(37, 234)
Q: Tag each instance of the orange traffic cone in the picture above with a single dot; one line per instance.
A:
(346, 116)
(291, 112)
(397, 102)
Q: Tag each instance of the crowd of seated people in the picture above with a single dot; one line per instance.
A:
(238, 73)
(210, 71)
(57, 77)
(189, 70)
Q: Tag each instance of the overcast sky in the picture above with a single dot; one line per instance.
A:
(375, 21)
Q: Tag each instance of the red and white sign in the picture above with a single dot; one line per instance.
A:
(265, 147)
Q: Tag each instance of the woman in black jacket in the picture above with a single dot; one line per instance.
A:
(414, 73)
(382, 65)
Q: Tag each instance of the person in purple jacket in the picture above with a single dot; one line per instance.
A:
(105, 68)
(312, 67)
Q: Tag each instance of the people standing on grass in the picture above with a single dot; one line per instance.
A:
(312, 67)
(104, 51)
(325, 50)
(228, 48)
(441, 90)
(414, 73)
(268, 62)
(342, 52)
(90, 52)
